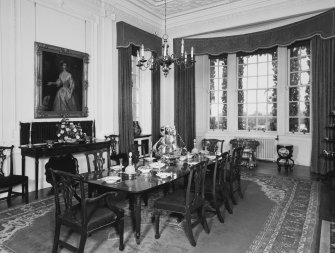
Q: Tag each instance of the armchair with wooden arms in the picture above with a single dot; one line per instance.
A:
(81, 214)
(11, 180)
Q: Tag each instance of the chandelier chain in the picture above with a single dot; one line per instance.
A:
(165, 17)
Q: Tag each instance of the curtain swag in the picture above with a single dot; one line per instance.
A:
(322, 25)
(128, 34)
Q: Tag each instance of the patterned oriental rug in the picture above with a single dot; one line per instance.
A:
(277, 214)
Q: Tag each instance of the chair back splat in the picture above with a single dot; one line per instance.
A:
(196, 178)
(186, 202)
(212, 145)
(234, 173)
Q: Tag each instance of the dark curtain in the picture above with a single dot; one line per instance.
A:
(126, 135)
(323, 93)
(322, 24)
(155, 104)
(184, 108)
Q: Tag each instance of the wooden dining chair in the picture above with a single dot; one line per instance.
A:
(215, 185)
(96, 159)
(11, 180)
(81, 214)
(233, 173)
(186, 202)
(212, 145)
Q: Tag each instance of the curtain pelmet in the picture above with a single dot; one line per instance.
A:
(322, 25)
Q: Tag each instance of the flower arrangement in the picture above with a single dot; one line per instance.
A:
(69, 132)
(167, 144)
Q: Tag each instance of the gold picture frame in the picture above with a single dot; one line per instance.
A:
(61, 82)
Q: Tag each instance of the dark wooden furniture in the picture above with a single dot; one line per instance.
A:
(83, 215)
(285, 153)
(328, 153)
(38, 151)
(215, 185)
(212, 145)
(138, 187)
(143, 143)
(66, 163)
(233, 173)
(186, 202)
(43, 131)
(8, 182)
(249, 152)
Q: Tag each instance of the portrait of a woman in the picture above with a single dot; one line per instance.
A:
(65, 99)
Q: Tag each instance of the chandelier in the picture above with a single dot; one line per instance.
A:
(165, 60)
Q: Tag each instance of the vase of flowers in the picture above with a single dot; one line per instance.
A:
(69, 132)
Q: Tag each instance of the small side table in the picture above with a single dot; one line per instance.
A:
(285, 153)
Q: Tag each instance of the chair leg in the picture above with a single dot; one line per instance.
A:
(188, 229)
(83, 238)
(145, 199)
(240, 188)
(203, 220)
(26, 193)
(217, 208)
(224, 193)
(9, 197)
(157, 235)
(121, 231)
(231, 193)
(56, 238)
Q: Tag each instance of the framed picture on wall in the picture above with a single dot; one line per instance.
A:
(60, 82)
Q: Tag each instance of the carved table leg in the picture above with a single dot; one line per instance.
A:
(137, 209)
(23, 170)
(36, 178)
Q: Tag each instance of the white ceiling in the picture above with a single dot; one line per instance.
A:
(213, 18)
(177, 7)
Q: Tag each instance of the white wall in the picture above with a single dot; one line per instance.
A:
(86, 26)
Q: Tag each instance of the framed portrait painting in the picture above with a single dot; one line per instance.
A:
(60, 82)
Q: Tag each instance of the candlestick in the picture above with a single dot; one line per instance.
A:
(142, 50)
(185, 56)
(164, 53)
(93, 129)
(30, 133)
(182, 46)
(138, 55)
(192, 49)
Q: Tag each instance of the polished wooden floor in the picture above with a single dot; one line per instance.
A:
(327, 196)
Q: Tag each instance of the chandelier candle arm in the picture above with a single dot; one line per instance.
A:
(165, 60)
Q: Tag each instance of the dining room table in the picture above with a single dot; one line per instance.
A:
(149, 176)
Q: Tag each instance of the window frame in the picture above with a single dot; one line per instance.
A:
(219, 92)
(288, 76)
(256, 103)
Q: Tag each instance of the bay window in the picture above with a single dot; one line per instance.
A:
(250, 91)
